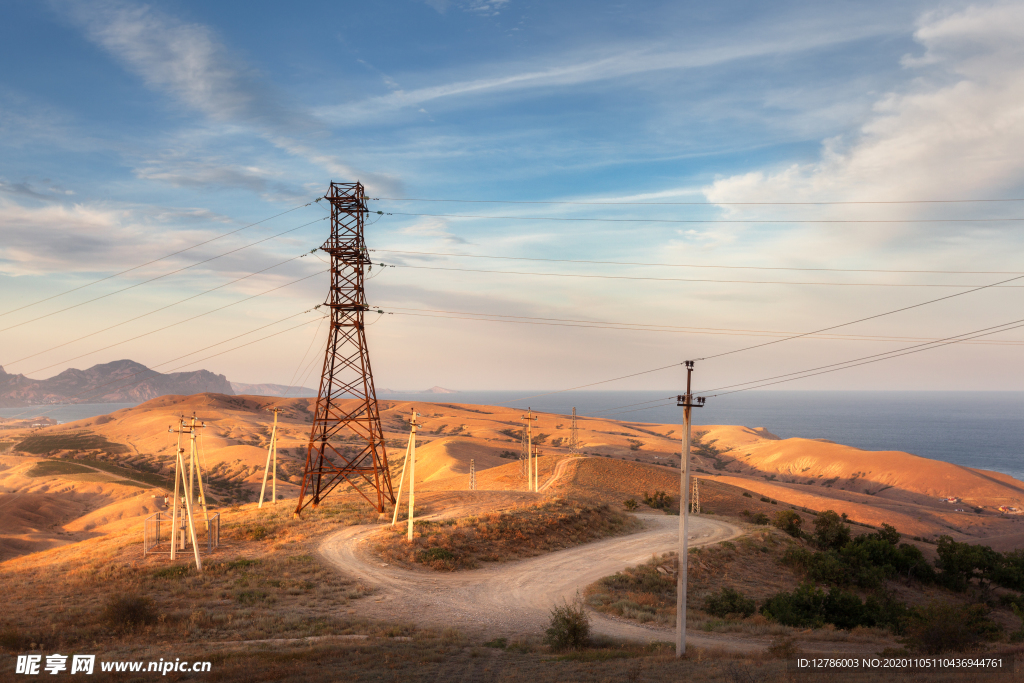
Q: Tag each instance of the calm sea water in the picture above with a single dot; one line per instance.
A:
(977, 429)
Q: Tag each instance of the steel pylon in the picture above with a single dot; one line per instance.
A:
(347, 441)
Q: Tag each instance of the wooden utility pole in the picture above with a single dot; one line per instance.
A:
(412, 472)
(687, 402)
(271, 449)
(531, 483)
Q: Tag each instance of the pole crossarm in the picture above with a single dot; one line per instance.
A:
(346, 442)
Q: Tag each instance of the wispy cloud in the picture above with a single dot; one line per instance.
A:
(573, 70)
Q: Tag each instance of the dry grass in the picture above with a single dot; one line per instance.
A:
(266, 581)
(467, 542)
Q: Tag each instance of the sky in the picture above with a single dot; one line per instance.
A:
(708, 177)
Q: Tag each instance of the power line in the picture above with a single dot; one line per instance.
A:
(705, 203)
(638, 327)
(604, 381)
(93, 390)
(876, 360)
(167, 256)
(860, 320)
(683, 279)
(160, 277)
(693, 265)
(180, 322)
(157, 310)
(898, 352)
(701, 221)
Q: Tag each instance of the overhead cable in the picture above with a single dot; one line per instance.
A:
(166, 256)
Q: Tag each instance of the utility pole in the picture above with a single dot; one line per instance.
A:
(346, 405)
(687, 401)
(181, 486)
(531, 484)
(695, 503)
(271, 449)
(472, 474)
(194, 463)
(574, 436)
(401, 480)
(412, 471)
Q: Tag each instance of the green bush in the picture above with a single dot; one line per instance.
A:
(729, 601)
(830, 530)
(810, 606)
(630, 504)
(570, 626)
(125, 612)
(942, 627)
(659, 501)
(788, 521)
(760, 518)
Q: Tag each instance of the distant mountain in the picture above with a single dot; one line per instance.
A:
(431, 390)
(272, 390)
(123, 381)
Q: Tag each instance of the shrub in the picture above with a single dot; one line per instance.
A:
(830, 530)
(431, 554)
(659, 501)
(765, 499)
(746, 494)
(760, 518)
(630, 504)
(125, 612)
(941, 627)
(729, 601)
(789, 521)
(570, 626)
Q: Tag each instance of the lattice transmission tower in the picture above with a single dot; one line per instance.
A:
(347, 441)
(574, 436)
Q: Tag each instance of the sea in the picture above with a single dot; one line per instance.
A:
(983, 429)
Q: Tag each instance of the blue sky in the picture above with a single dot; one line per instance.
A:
(129, 131)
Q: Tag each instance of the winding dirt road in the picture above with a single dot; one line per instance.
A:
(516, 598)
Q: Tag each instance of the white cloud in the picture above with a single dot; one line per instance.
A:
(956, 131)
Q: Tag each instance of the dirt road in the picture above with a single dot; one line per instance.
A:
(516, 598)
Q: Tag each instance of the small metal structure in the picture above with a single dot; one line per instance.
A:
(695, 500)
(472, 474)
(346, 443)
(686, 402)
(158, 531)
(574, 436)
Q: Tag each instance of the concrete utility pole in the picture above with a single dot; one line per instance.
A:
(271, 449)
(531, 484)
(398, 499)
(687, 402)
(181, 486)
(194, 463)
(412, 471)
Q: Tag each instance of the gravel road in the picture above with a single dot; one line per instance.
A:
(516, 598)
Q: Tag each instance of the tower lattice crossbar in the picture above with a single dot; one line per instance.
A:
(346, 442)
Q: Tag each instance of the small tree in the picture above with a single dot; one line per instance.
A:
(789, 521)
(570, 626)
(630, 504)
(729, 601)
(830, 530)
